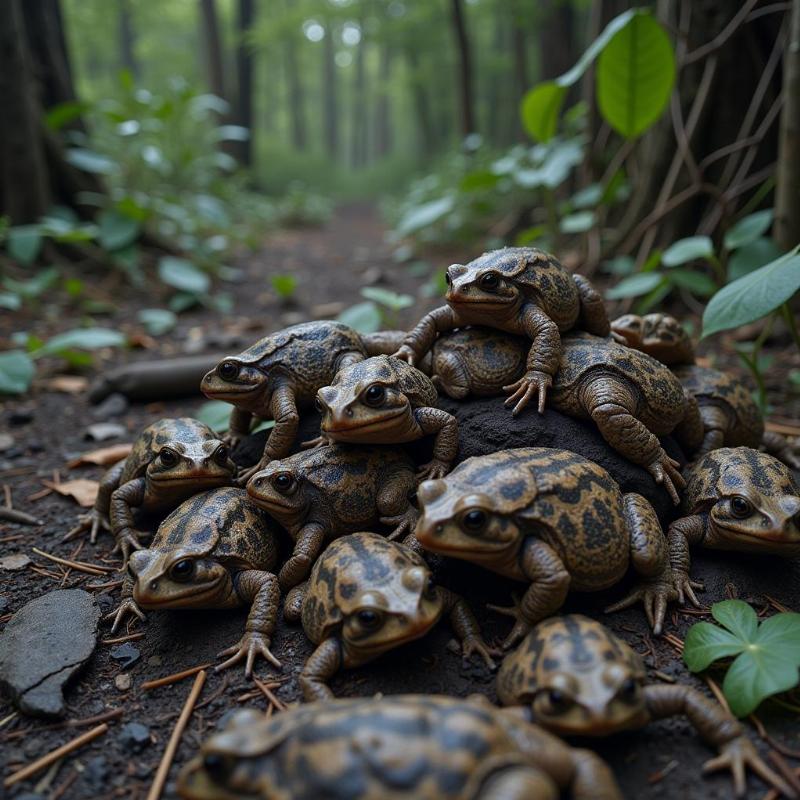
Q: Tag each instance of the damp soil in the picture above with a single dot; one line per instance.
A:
(48, 429)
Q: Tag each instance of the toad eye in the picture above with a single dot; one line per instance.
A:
(217, 766)
(558, 701)
(228, 370)
(318, 405)
(283, 482)
(368, 619)
(628, 689)
(474, 520)
(430, 588)
(490, 281)
(182, 570)
(741, 507)
(221, 455)
(169, 458)
(375, 395)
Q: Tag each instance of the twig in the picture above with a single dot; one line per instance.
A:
(178, 676)
(674, 641)
(54, 755)
(780, 764)
(7, 495)
(12, 515)
(718, 694)
(13, 538)
(31, 498)
(81, 566)
(169, 753)
(106, 716)
(719, 40)
(60, 790)
(131, 637)
(13, 715)
(270, 695)
(774, 743)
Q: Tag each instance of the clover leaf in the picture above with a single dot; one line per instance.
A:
(767, 655)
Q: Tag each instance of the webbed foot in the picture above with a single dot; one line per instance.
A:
(93, 521)
(249, 647)
(666, 471)
(654, 596)
(402, 523)
(521, 625)
(523, 390)
(433, 470)
(405, 353)
(127, 541)
(126, 607)
(475, 644)
(739, 754)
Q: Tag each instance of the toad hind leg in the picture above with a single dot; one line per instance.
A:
(445, 426)
(611, 403)
(715, 424)
(321, 666)
(306, 549)
(682, 533)
(126, 497)
(593, 317)
(649, 558)
(394, 506)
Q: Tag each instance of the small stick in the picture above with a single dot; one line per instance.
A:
(45, 573)
(81, 566)
(60, 790)
(109, 585)
(178, 676)
(273, 699)
(662, 676)
(774, 743)
(54, 755)
(106, 716)
(10, 473)
(169, 753)
(718, 694)
(7, 493)
(6, 720)
(31, 498)
(13, 538)
(674, 641)
(12, 515)
(129, 638)
(780, 764)
(777, 605)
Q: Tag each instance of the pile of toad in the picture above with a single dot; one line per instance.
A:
(345, 535)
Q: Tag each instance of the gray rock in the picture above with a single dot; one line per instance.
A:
(44, 644)
(126, 654)
(100, 431)
(134, 736)
(115, 405)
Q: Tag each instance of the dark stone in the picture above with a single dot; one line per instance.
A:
(126, 654)
(44, 644)
(20, 416)
(3, 603)
(486, 426)
(134, 736)
(115, 405)
(95, 775)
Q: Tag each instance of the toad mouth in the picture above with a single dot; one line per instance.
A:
(365, 426)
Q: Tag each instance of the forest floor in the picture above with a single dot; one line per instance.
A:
(48, 430)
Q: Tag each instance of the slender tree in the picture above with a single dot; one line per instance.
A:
(383, 108)
(464, 67)
(358, 153)
(127, 39)
(244, 71)
(296, 92)
(213, 47)
(329, 86)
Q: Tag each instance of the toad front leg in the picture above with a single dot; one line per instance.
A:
(550, 581)
(419, 340)
(127, 605)
(126, 497)
(681, 534)
(466, 627)
(611, 403)
(321, 666)
(97, 519)
(394, 506)
(542, 359)
(445, 446)
(718, 729)
(306, 549)
(260, 591)
(238, 427)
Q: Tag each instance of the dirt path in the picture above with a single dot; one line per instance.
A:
(48, 430)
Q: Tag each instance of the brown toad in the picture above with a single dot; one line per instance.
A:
(383, 400)
(321, 494)
(519, 290)
(426, 747)
(216, 550)
(172, 459)
(576, 678)
(366, 596)
(280, 374)
(738, 499)
(551, 519)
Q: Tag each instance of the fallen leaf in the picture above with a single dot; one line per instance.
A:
(81, 489)
(15, 561)
(70, 384)
(103, 456)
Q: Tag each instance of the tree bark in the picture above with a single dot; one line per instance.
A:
(359, 142)
(329, 84)
(244, 70)
(787, 192)
(296, 94)
(126, 39)
(213, 47)
(467, 122)
(383, 108)
(425, 130)
(556, 39)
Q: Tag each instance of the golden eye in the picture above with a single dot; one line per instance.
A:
(741, 507)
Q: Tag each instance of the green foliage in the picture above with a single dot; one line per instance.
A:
(688, 249)
(16, 372)
(184, 275)
(217, 414)
(284, 286)
(749, 229)
(362, 317)
(24, 243)
(157, 321)
(767, 654)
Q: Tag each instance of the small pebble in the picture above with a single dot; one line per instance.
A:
(115, 405)
(101, 431)
(155, 661)
(20, 416)
(6, 442)
(135, 736)
(126, 654)
(123, 681)
(95, 774)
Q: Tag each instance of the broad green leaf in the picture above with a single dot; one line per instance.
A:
(687, 250)
(82, 339)
(363, 317)
(385, 297)
(754, 295)
(651, 300)
(580, 222)
(529, 235)
(116, 230)
(698, 283)
(748, 229)
(182, 274)
(705, 643)
(157, 321)
(37, 285)
(635, 285)
(216, 414)
(10, 301)
(16, 372)
(556, 168)
(231, 133)
(424, 215)
(588, 197)
(540, 110)
(635, 74)
(620, 265)
(284, 285)
(24, 242)
(64, 113)
(482, 179)
(89, 161)
(755, 675)
(182, 301)
(653, 262)
(738, 617)
(751, 256)
(781, 635)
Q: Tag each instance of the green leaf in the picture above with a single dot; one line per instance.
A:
(588, 197)
(751, 256)
(10, 301)
(620, 265)
(698, 283)
(748, 229)
(362, 317)
(754, 295)
(529, 235)
(89, 161)
(116, 230)
(64, 113)
(284, 285)
(424, 215)
(706, 643)
(635, 74)
(755, 675)
(24, 243)
(16, 372)
(635, 285)
(540, 110)
(37, 285)
(82, 339)
(781, 635)
(579, 222)
(216, 414)
(182, 274)
(385, 297)
(157, 321)
(738, 617)
(687, 250)
(482, 179)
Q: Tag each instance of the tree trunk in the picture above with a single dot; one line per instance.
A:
(425, 130)
(331, 121)
(359, 140)
(383, 109)
(213, 47)
(296, 95)
(465, 68)
(556, 39)
(244, 70)
(126, 39)
(787, 192)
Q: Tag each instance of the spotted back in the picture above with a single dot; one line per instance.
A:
(417, 386)
(310, 340)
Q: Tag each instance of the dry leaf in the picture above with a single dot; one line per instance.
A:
(15, 561)
(81, 489)
(71, 384)
(103, 456)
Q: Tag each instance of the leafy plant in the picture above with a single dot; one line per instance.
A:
(157, 321)
(767, 655)
(217, 415)
(284, 286)
(379, 311)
